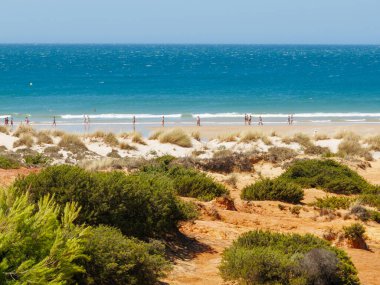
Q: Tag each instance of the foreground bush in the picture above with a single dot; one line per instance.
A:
(116, 259)
(273, 189)
(37, 244)
(259, 257)
(140, 204)
(327, 175)
(175, 136)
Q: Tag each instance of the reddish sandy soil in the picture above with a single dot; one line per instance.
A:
(7, 176)
(217, 228)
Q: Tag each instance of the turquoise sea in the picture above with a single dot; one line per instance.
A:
(111, 83)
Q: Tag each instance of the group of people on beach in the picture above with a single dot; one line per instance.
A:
(290, 119)
(8, 121)
(248, 120)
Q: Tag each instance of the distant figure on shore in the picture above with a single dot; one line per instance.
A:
(198, 121)
(291, 119)
(245, 119)
(27, 120)
(6, 121)
(134, 120)
(163, 121)
(88, 120)
(261, 121)
(84, 120)
(54, 122)
(12, 122)
(249, 119)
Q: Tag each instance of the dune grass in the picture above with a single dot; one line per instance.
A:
(350, 147)
(57, 133)
(43, 137)
(231, 137)
(24, 129)
(374, 142)
(347, 135)
(250, 136)
(72, 143)
(110, 139)
(24, 140)
(126, 146)
(196, 135)
(321, 137)
(137, 138)
(156, 135)
(4, 129)
(177, 137)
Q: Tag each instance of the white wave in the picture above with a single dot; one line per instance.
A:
(119, 116)
(321, 121)
(361, 120)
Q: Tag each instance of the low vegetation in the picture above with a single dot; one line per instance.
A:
(273, 189)
(374, 142)
(300, 138)
(24, 140)
(126, 146)
(111, 198)
(4, 129)
(137, 138)
(230, 137)
(43, 137)
(355, 234)
(279, 154)
(333, 202)
(24, 130)
(72, 143)
(251, 136)
(110, 139)
(175, 136)
(261, 257)
(8, 163)
(350, 147)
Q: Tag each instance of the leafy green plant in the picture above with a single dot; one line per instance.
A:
(273, 189)
(36, 160)
(261, 257)
(333, 202)
(355, 234)
(8, 163)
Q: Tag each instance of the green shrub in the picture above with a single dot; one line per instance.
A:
(273, 189)
(38, 245)
(260, 257)
(355, 234)
(110, 139)
(327, 175)
(36, 160)
(116, 259)
(140, 204)
(187, 182)
(370, 199)
(8, 163)
(333, 202)
(375, 216)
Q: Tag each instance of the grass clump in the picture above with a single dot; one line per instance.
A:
(177, 137)
(279, 154)
(350, 146)
(110, 139)
(24, 130)
(274, 190)
(347, 135)
(72, 143)
(196, 135)
(317, 150)
(126, 146)
(355, 234)
(8, 163)
(231, 137)
(24, 140)
(328, 175)
(262, 257)
(43, 137)
(374, 142)
(140, 204)
(36, 160)
(156, 135)
(4, 130)
(250, 136)
(137, 138)
(321, 137)
(333, 202)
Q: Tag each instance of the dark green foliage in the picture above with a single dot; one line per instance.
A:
(8, 163)
(326, 174)
(375, 216)
(317, 150)
(371, 199)
(118, 260)
(260, 257)
(273, 189)
(36, 160)
(141, 204)
(279, 154)
(333, 202)
(187, 182)
(354, 231)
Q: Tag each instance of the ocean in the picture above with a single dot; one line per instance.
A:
(220, 83)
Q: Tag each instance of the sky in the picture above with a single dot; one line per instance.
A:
(191, 21)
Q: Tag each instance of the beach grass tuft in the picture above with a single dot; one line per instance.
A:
(232, 137)
(24, 140)
(43, 137)
(347, 135)
(350, 147)
(250, 136)
(24, 129)
(137, 138)
(57, 133)
(126, 146)
(177, 137)
(196, 135)
(321, 137)
(374, 142)
(156, 135)
(4, 129)
(110, 139)
(72, 143)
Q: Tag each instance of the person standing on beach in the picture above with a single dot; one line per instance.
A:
(88, 120)
(163, 121)
(249, 119)
(245, 119)
(291, 119)
(54, 122)
(27, 120)
(261, 121)
(12, 122)
(198, 121)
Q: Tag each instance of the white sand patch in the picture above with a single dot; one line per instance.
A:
(7, 140)
(332, 144)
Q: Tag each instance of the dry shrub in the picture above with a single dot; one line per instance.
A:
(279, 154)
(251, 136)
(72, 143)
(225, 161)
(177, 137)
(4, 129)
(321, 137)
(43, 137)
(302, 139)
(228, 137)
(273, 134)
(330, 234)
(125, 135)
(114, 154)
(231, 180)
(53, 152)
(24, 130)
(98, 135)
(24, 140)
(317, 150)
(58, 133)
(110, 139)
(347, 135)
(196, 135)
(266, 140)
(350, 146)
(374, 142)
(137, 138)
(97, 164)
(156, 135)
(126, 146)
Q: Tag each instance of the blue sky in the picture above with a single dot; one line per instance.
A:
(190, 21)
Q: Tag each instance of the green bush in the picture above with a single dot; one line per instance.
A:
(187, 182)
(355, 234)
(141, 204)
(370, 199)
(118, 260)
(333, 202)
(260, 257)
(327, 175)
(36, 160)
(8, 163)
(37, 244)
(273, 189)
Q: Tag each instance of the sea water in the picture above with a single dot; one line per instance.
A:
(220, 83)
